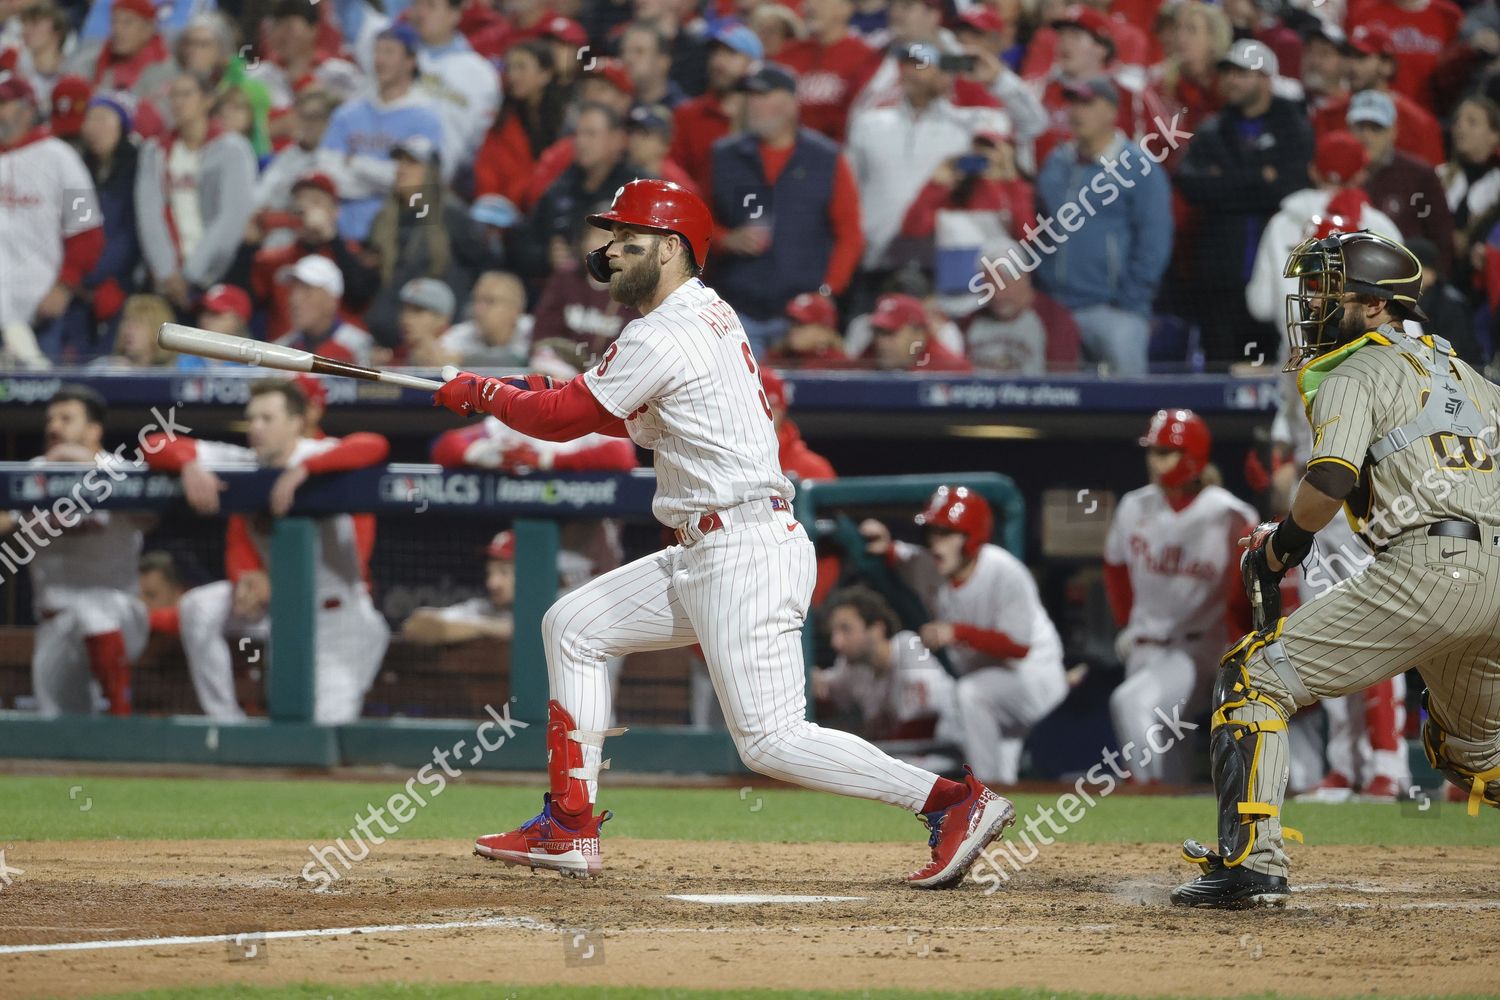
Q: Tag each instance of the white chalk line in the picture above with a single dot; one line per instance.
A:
(514, 923)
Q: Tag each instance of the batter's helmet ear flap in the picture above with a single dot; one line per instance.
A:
(597, 263)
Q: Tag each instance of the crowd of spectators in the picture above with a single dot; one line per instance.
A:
(944, 185)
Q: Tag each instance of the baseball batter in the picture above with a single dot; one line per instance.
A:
(90, 620)
(351, 636)
(989, 616)
(1403, 435)
(1168, 559)
(683, 382)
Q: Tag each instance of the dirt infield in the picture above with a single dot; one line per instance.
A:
(1372, 921)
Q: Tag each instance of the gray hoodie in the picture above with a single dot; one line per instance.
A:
(226, 182)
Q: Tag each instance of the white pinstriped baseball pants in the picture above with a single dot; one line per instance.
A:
(742, 593)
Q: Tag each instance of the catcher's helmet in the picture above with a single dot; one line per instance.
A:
(1185, 432)
(1362, 262)
(960, 509)
(659, 205)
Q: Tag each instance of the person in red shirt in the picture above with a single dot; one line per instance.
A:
(493, 35)
(904, 341)
(812, 340)
(832, 64)
(1372, 65)
(797, 459)
(1085, 50)
(705, 120)
(526, 126)
(134, 58)
(1419, 30)
(1198, 37)
(1132, 44)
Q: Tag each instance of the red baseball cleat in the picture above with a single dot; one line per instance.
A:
(960, 832)
(1382, 789)
(544, 842)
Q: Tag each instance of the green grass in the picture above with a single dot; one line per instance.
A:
(33, 808)
(494, 991)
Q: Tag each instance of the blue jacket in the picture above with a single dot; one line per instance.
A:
(1122, 236)
(796, 209)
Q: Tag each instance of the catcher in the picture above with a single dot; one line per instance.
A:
(1403, 436)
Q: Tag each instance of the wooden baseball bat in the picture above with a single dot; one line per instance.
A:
(258, 353)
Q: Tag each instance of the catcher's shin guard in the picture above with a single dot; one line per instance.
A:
(1441, 748)
(1248, 749)
(566, 769)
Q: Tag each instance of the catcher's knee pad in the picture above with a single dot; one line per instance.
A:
(566, 771)
(1243, 715)
(1441, 749)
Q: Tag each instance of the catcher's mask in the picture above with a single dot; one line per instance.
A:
(1361, 262)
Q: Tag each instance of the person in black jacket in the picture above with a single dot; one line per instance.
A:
(1238, 168)
(599, 169)
(87, 329)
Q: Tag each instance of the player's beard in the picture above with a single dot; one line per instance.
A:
(635, 285)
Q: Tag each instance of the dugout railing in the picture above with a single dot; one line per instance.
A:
(534, 506)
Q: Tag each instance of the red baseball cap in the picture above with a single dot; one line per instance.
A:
(894, 311)
(984, 20)
(312, 387)
(319, 180)
(1095, 22)
(1339, 156)
(612, 72)
(565, 29)
(995, 137)
(227, 299)
(70, 102)
(14, 87)
(502, 546)
(810, 307)
(1372, 40)
(140, 8)
(774, 387)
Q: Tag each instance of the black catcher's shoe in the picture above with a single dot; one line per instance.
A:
(1224, 888)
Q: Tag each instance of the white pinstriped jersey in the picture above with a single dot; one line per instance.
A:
(1179, 560)
(1001, 596)
(338, 567)
(686, 384)
(46, 196)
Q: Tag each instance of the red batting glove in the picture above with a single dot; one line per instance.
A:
(466, 393)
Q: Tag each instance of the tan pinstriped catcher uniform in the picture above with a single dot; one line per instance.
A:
(1431, 602)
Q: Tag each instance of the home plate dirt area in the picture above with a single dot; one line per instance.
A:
(1083, 917)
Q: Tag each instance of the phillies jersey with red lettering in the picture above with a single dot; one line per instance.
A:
(684, 380)
(46, 196)
(1000, 595)
(1179, 560)
(828, 77)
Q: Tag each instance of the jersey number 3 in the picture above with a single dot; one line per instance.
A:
(765, 404)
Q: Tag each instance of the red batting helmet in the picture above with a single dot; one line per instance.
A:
(960, 509)
(659, 205)
(1182, 431)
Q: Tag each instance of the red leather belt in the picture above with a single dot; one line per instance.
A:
(713, 522)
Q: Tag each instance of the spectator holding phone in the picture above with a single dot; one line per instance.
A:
(983, 179)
